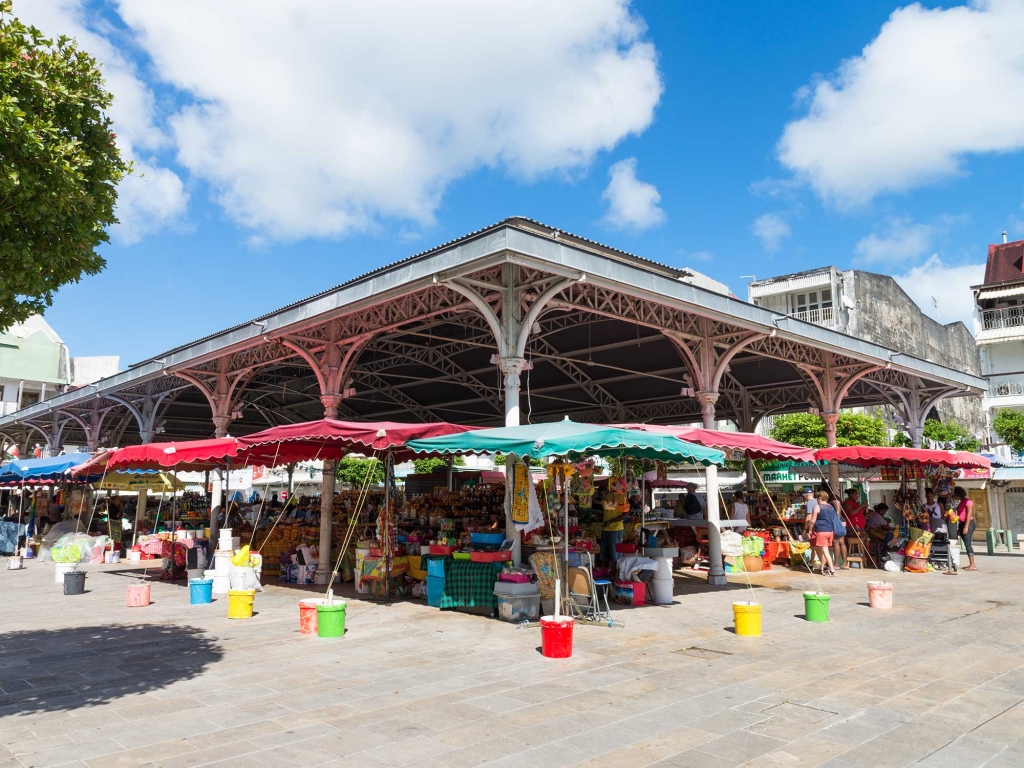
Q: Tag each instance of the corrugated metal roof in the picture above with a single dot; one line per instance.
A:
(538, 227)
(1008, 473)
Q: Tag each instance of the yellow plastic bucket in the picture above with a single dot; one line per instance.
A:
(747, 617)
(240, 603)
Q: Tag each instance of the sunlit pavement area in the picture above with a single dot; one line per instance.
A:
(937, 681)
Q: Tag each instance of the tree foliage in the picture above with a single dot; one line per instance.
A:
(352, 470)
(1009, 426)
(427, 466)
(808, 430)
(59, 167)
(499, 461)
(942, 432)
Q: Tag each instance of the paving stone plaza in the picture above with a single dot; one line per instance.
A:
(938, 681)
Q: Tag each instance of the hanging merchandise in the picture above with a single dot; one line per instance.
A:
(582, 487)
(521, 489)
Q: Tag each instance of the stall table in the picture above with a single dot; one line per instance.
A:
(469, 585)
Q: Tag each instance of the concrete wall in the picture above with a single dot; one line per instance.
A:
(885, 314)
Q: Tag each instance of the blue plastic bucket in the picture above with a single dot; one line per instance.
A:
(200, 591)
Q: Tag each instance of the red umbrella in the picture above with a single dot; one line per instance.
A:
(189, 455)
(332, 439)
(754, 446)
(886, 456)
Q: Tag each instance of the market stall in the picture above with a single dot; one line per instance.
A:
(909, 540)
(330, 440)
(568, 446)
(764, 507)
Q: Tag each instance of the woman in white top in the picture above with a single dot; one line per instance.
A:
(739, 511)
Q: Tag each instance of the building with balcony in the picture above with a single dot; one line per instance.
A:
(874, 307)
(35, 365)
(999, 330)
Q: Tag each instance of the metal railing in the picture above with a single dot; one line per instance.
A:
(6, 409)
(1008, 317)
(999, 386)
(820, 316)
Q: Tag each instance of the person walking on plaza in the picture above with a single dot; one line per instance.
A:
(821, 525)
(965, 529)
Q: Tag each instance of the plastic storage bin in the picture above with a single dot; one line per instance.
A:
(515, 588)
(516, 608)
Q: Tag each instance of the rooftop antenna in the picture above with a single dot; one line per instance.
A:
(1004, 235)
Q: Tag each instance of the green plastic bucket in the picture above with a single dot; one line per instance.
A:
(330, 619)
(816, 606)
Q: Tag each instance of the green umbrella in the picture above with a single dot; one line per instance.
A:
(571, 440)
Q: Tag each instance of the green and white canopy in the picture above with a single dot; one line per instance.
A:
(571, 440)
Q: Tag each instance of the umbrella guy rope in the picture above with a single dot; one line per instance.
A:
(786, 527)
(352, 524)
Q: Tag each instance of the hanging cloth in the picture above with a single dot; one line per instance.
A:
(522, 488)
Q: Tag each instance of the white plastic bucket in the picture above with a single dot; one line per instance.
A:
(661, 590)
(60, 569)
(664, 568)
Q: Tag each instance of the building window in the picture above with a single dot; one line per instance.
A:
(805, 302)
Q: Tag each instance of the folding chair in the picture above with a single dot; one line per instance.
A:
(584, 596)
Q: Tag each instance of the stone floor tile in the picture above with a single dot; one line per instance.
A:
(741, 746)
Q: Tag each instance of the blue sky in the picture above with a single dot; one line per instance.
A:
(283, 154)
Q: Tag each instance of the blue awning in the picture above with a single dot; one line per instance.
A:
(1008, 473)
(50, 468)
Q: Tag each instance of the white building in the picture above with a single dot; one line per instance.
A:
(34, 364)
(999, 330)
(874, 307)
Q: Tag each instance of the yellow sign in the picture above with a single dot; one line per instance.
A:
(128, 481)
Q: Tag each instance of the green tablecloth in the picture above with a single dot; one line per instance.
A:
(469, 585)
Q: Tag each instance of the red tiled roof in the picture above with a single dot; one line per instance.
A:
(1005, 262)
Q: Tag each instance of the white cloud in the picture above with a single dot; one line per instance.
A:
(632, 204)
(319, 119)
(932, 88)
(154, 196)
(949, 284)
(772, 229)
(899, 239)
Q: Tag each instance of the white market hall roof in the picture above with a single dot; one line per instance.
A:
(606, 346)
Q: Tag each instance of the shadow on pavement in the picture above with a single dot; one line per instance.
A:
(57, 669)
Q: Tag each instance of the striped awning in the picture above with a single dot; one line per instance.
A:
(998, 293)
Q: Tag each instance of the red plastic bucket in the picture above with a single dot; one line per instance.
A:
(556, 637)
(307, 616)
(137, 596)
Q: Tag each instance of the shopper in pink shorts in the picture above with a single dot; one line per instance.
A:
(821, 525)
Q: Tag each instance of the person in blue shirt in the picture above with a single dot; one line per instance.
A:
(822, 525)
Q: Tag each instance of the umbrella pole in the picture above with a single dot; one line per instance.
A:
(389, 468)
(643, 505)
(21, 509)
(565, 482)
